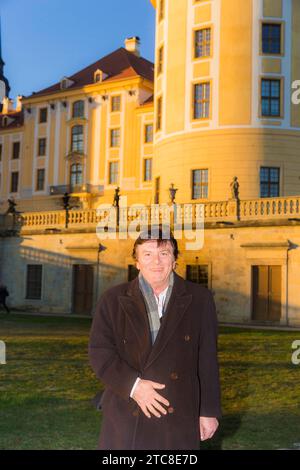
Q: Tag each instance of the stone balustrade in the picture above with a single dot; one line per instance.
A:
(218, 212)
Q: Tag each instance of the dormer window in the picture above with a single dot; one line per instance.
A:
(99, 76)
(66, 83)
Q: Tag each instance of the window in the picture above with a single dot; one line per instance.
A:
(270, 98)
(157, 190)
(78, 109)
(271, 38)
(43, 115)
(161, 9)
(16, 150)
(202, 42)
(201, 100)
(197, 273)
(160, 60)
(147, 169)
(76, 174)
(133, 272)
(77, 139)
(269, 182)
(148, 133)
(40, 179)
(113, 172)
(34, 281)
(115, 138)
(115, 103)
(199, 184)
(159, 114)
(0, 152)
(97, 77)
(14, 182)
(42, 147)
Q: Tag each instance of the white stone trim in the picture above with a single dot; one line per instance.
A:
(35, 153)
(189, 65)
(287, 62)
(215, 64)
(122, 143)
(57, 145)
(165, 68)
(97, 141)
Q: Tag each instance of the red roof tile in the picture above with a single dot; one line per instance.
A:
(117, 65)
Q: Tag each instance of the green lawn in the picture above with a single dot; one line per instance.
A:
(46, 387)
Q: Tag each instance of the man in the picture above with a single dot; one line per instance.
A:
(153, 344)
(3, 294)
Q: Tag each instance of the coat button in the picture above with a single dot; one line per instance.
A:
(187, 338)
(135, 413)
(174, 376)
(171, 410)
(124, 341)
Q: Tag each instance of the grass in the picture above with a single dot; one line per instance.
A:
(46, 387)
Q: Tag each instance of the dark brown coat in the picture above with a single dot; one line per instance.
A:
(183, 357)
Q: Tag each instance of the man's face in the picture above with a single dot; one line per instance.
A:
(155, 262)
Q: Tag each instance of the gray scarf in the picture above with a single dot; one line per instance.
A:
(151, 304)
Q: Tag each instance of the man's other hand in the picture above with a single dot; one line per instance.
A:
(148, 399)
(208, 427)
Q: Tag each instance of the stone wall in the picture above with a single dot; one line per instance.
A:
(229, 253)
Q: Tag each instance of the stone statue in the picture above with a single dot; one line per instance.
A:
(172, 193)
(116, 197)
(11, 206)
(234, 185)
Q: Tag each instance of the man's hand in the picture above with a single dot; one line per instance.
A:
(208, 427)
(148, 399)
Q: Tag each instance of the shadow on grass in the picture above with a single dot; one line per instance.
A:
(256, 431)
(228, 427)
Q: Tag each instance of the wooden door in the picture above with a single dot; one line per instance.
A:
(274, 293)
(83, 282)
(266, 293)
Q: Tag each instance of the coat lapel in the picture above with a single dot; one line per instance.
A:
(177, 306)
(134, 307)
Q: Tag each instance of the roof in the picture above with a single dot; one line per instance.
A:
(14, 119)
(117, 65)
(149, 100)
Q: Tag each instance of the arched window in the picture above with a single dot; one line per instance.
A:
(76, 174)
(78, 109)
(77, 139)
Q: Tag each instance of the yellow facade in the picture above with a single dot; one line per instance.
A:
(98, 121)
(210, 114)
(234, 138)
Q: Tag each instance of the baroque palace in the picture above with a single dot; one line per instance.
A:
(213, 122)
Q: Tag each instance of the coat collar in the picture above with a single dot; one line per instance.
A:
(134, 306)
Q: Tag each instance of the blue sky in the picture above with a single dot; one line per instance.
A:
(43, 40)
